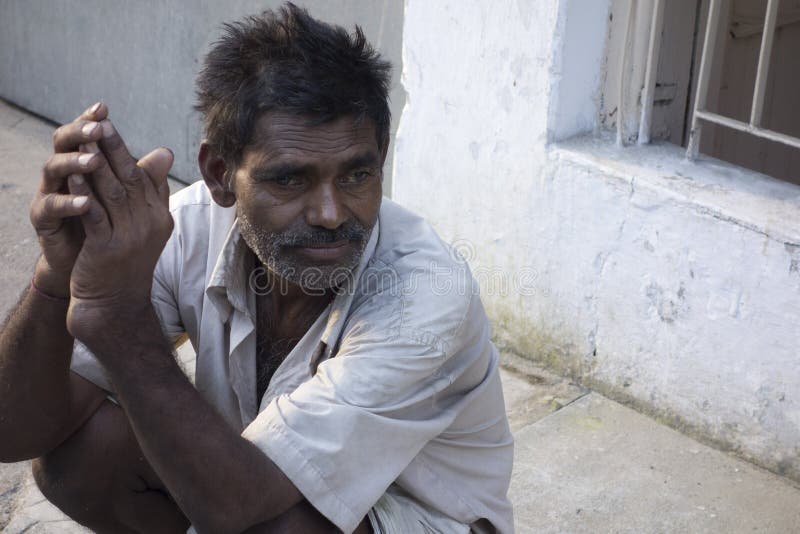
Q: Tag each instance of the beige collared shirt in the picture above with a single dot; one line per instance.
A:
(395, 382)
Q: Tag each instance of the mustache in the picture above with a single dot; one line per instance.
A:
(304, 235)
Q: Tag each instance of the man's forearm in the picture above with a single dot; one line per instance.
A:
(35, 350)
(221, 481)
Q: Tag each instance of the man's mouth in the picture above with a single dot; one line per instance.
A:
(325, 252)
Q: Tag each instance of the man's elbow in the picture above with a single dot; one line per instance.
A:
(25, 441)
(12, 457)
(13, 451)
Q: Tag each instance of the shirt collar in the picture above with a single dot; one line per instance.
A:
(227, 286)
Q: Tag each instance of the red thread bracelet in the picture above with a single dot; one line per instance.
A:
(45, 295)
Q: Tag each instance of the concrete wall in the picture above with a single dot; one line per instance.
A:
(671, 285)
(141, 58)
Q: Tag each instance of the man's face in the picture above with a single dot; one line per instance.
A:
(308, 196)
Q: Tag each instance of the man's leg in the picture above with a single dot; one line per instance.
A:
(306, 519)
(100, 478)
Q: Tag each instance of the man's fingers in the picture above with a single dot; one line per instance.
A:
(61, 165)
(68, 137)
(84, 129)
(122, 163)
(48, 211)
(156, 165)
(95, 112)
(110, 193)
(94, 217)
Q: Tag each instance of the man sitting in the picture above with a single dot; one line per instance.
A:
(345, 377)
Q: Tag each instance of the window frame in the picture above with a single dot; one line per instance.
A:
(633, 60)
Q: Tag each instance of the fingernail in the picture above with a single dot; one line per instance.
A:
(77, 179)
(80, 202)
(84, 159)
(89, 128)
(95, 107)
(108, 128)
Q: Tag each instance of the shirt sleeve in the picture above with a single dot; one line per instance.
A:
(163, 296)
(346, 434)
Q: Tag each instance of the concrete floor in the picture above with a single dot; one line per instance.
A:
(583, 463)
(597, 466)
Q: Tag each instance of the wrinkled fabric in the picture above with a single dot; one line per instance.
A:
(395, 383)
(398, 513)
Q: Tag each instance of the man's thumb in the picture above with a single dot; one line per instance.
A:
(157, 165)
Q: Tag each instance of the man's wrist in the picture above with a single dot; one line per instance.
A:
(50, 283)
(105, 327)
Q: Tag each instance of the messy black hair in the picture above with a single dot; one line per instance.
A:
(290, 62)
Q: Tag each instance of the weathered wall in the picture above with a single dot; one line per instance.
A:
(672, 285)
(474, 127)
(141, 58)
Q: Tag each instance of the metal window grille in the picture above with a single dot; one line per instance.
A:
(701, 114)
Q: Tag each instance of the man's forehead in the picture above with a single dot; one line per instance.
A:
(281, 134)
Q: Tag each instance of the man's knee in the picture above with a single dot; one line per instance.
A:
(79, 475)
(100, 478)
(71, 466)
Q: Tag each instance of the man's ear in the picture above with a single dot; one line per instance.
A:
(215, 175)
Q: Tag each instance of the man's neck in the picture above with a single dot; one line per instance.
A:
(292, 303)
(284, 315)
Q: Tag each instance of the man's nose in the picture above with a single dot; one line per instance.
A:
(324, 208)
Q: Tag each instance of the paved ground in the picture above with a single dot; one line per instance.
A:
(583, 463)
(597, 466)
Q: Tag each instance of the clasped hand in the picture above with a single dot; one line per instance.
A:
(123, 208)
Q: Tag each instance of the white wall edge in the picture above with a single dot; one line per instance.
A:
(716, 188)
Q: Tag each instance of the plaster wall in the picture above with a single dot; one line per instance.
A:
(671, 285)
(577, 50)
(142, 57)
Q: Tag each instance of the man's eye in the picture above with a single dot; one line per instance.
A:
(357, 177)
(286, 181)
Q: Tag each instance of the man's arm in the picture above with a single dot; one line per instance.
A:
(222, 482)
(41, 402)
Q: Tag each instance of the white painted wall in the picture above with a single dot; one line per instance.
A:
(574, 76)
(672, 285)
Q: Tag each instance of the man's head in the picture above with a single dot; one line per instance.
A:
(297, 127)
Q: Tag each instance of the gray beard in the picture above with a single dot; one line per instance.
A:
(268, 248)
